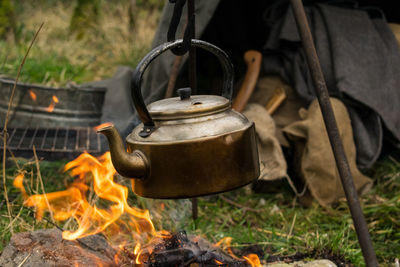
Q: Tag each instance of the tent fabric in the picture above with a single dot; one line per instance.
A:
(118, 105)
(359, 56)
(360, 60)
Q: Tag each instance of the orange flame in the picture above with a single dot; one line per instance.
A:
(137, 261)
(32, 95)
(103, 125)
(119, 252)
(218, 262)
(50, 108)
(19, 183)
(253, 260)
(137, 249)
(54, 100)
(91, 218)
(117, 221)
(225, 244)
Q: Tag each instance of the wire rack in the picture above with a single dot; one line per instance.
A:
(54, 143)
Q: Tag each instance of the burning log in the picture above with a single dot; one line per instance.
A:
(180, 250)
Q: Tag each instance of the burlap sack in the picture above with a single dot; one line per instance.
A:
(396, 31)
(272, 162)
(287, 112)
(316, 163)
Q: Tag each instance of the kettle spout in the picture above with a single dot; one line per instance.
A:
(130, 165)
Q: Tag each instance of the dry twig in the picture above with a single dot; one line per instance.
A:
(6, 121)
(39, 177)
(238, 205)
(22, 262)
(278, 234)
(292, 226)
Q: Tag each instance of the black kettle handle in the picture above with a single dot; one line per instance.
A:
(145, 62)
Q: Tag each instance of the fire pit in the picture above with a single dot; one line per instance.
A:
(58, 122)
(131, 236)
(47, 248)
(46, 107)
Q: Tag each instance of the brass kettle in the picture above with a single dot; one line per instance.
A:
(187, 146)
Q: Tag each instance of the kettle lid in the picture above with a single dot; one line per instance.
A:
(186, 106)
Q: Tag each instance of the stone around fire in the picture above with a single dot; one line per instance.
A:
(46, 248)
(316, 263)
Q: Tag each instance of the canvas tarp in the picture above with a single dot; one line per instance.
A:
(358, 53)
(360, 60)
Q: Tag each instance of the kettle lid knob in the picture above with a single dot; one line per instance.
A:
(184, 93)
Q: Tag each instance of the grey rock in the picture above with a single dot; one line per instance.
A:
(46, 248)
(316, 263)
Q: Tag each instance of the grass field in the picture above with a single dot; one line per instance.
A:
(275, 223)
(58, 58)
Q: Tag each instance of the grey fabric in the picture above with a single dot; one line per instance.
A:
(118, 106)
(360, 60)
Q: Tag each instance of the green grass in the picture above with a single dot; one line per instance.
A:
(58, 57)
(22, 219)
(274, 222)
(45, 69)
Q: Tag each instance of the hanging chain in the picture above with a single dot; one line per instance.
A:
(175, 19)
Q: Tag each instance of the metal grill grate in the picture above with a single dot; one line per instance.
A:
(54, 143)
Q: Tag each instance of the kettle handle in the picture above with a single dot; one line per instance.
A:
(145, 62)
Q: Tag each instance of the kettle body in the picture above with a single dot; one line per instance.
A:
(186, 146)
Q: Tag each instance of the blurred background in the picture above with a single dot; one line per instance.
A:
(81, 40)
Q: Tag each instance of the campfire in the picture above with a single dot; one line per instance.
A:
(103, 209)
